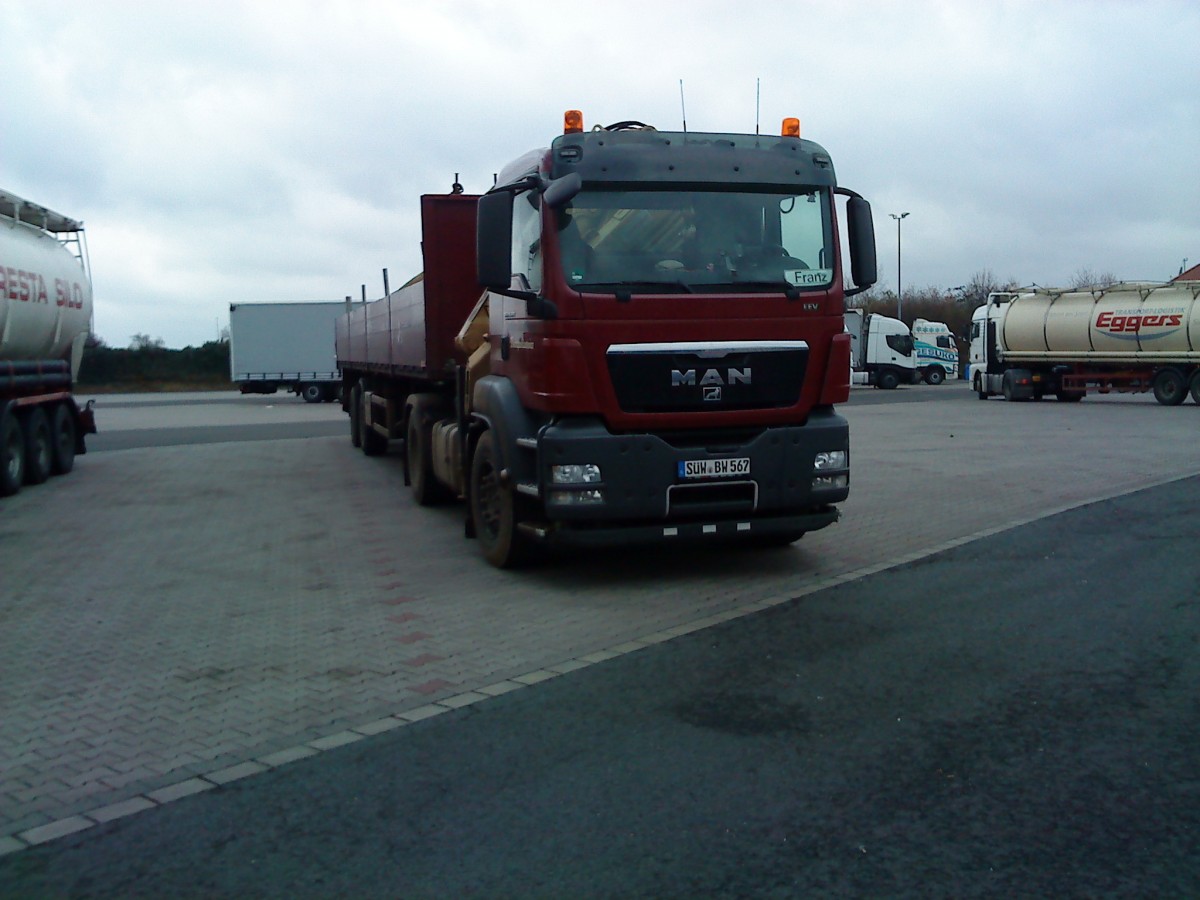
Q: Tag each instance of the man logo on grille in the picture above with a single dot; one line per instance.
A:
(683, 377)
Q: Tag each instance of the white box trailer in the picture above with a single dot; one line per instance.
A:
(285, 345)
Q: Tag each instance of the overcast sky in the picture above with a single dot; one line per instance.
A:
(222, 152)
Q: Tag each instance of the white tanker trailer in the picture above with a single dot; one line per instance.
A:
(1127, 337)
(45, 318)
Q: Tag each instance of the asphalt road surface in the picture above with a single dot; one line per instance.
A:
(1031, 734)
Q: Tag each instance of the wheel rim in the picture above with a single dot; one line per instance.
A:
(489, 500)
(1170, 388)
(12, 454)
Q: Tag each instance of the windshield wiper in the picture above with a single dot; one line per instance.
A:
(627, 287)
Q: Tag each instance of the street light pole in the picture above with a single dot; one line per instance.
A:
(899, 293)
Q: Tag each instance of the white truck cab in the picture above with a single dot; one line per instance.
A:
(881, 350)
(936, 350)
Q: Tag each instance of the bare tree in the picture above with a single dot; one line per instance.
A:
(145, 342)
(1085, 279)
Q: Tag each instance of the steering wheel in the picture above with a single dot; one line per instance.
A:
(770, 254)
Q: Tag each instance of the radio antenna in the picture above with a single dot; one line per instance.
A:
(757, 102)
(682, 107)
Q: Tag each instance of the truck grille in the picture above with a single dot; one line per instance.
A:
(707, 375)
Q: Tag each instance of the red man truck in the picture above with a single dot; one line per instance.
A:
(634, 336)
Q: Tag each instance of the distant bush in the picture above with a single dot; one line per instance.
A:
(148, 365)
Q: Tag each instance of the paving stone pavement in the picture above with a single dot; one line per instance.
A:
(173, 619)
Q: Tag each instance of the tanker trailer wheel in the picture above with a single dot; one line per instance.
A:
(39, 451)
(935, 375)
(1196, 386)
(1169, 387)
(494, 508)
(62, 432)
(12, 455)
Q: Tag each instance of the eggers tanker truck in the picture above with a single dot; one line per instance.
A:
(655, 353)
(45, 317)
(1128, 337)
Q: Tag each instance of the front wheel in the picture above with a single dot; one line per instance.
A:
(935, 375)
(887, 380)
(494, 508)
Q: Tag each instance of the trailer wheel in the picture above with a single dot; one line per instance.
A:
(418, 450)
(887, 380)
(39, 450)
(1069, 396)
(312, 393)
(494, 508)
(62, 431)
(1169, 387)
(1196, 386)
(12, 454)
(356, 416)
(373, 443)
(935, 375)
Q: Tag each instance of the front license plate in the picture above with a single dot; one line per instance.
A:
(714, 468)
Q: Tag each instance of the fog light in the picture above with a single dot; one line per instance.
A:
(577, 473)
(823, 482)
(830, 459)
(576, 498)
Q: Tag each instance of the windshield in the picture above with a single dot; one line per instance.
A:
(697, 241)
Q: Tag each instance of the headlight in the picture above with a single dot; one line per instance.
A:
(830, 459)
(577, 473)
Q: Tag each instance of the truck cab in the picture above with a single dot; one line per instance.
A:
(936, 351)
(881, 350)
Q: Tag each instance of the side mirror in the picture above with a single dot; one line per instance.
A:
(862, 243)
(562, 191)
(493, 241)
